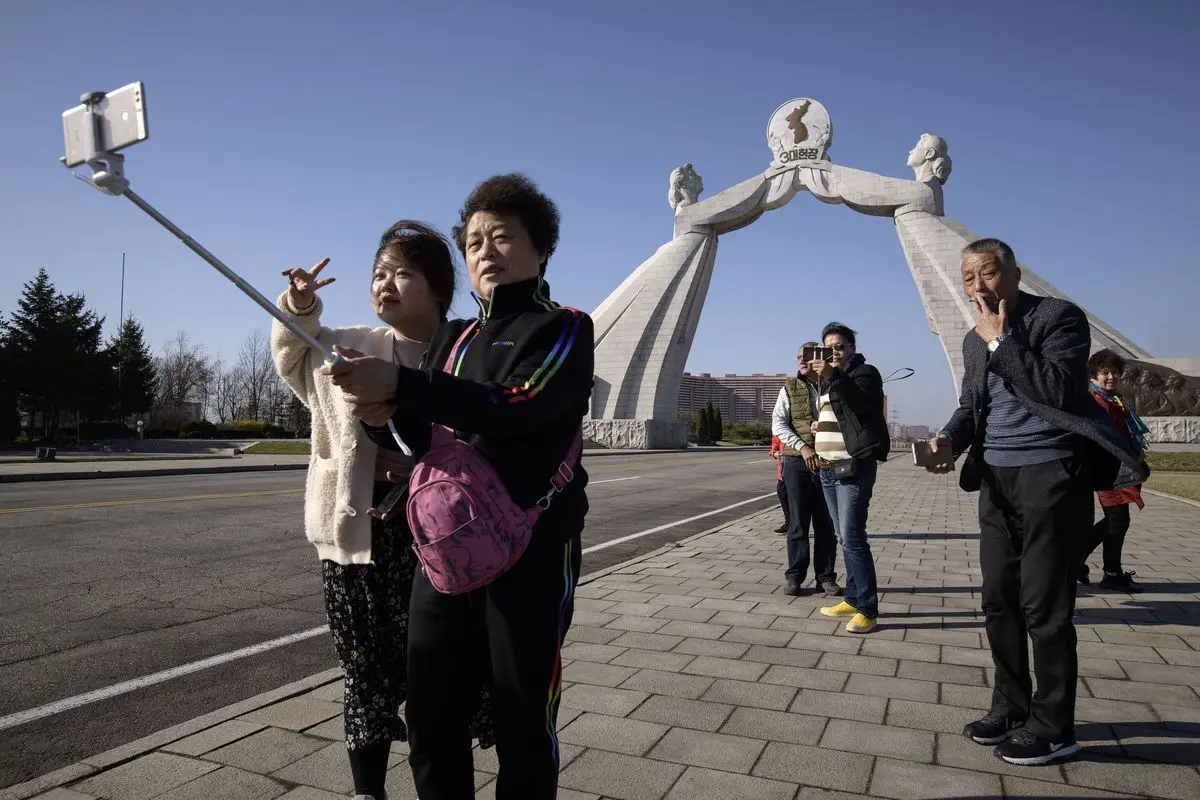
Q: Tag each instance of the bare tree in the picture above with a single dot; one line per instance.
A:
(256, 375)
(227, 397)
(185, 373)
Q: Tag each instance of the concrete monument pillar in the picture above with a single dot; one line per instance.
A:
(645, 328)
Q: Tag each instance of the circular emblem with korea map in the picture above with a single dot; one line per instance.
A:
(799, 130)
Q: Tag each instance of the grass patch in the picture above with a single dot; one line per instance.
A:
(277, 449)
(1179, 485)
(1173, 461)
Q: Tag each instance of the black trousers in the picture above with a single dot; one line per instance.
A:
(1034, 522)
(781, 493)
(512, 630)
(806, 500)
(1110, 532)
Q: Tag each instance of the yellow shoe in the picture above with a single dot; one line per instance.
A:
(861, 624)
(842, 609)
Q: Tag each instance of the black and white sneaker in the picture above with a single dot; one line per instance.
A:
(992, 729)
(1120, 582)
(1027, 749)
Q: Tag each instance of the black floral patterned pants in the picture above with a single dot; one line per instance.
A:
(367, 606)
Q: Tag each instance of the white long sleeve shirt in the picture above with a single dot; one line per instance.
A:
(781, 421)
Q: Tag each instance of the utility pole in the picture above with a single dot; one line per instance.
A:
(121, 345)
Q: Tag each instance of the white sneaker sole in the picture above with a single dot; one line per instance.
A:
(1038, 761)
(991, 740)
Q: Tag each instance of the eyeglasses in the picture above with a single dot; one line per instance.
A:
(839, 348)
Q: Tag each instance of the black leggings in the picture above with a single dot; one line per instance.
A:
(1110, 532)
(367, 606)
(512, 630)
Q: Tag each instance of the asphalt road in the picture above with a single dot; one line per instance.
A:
(106, 581)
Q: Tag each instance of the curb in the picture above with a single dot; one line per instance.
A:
(127, 752)
(139, 747)
(36, 477)
(79, 475)
(1174, 497)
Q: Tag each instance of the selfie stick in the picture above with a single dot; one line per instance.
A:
(108, 176)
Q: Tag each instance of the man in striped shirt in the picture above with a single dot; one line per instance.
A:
(851, 439)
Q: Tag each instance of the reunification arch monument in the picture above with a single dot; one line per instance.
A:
(645, 328)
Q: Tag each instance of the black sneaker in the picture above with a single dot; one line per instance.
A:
(1085, 575)
(1027, 749)
(792, 588)
(992, 729)
(830, 588)
(782, 528)
(1120, 582)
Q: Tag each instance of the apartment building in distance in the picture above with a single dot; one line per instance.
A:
(741, 398)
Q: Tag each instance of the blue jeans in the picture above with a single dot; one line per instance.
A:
(849, 500)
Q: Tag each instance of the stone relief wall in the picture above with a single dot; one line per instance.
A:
(1157, 391)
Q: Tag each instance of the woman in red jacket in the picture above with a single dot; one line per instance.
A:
(780, 487)
(1105, 368)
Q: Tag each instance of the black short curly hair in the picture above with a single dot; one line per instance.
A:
(1105, 359)
(513, 194)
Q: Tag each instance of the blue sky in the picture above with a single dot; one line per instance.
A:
(285, 132)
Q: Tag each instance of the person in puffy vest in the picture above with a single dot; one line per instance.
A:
(792, 421)
(518, 392)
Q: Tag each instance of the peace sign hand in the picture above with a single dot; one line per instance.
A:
(303, 284)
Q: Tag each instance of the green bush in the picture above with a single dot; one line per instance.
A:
(249, 428)
(748, 433)
(198, 429)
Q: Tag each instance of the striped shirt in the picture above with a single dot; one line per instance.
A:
(830, 444)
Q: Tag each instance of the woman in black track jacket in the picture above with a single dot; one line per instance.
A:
(517, 391)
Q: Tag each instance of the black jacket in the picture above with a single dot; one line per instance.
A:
(1044, 363)
(856, 395)
(518, 394)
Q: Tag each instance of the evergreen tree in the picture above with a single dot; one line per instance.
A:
(10, 419)
(52, 343)
(718, 427)
(702, 425)
(136, 373)
(87, 377)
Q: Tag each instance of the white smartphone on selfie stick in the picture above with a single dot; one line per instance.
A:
(105, 123)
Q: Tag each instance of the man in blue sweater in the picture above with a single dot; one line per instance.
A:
(1036, 449)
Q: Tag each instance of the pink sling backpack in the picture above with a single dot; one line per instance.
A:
(467, 531)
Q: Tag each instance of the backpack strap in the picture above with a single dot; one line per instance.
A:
(563, 475)
(449, 368)
(441, 433)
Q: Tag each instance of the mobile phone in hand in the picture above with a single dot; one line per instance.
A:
(392, 499)
(923, 456)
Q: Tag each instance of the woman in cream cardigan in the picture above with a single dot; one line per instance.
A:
(366, 564)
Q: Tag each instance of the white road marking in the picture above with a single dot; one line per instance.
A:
(674, 524)
(614, 480)
(87, 698)
(760, 461)
(21, 717)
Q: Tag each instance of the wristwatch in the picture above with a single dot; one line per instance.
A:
(995, 343)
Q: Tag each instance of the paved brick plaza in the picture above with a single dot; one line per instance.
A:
(691, 676)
